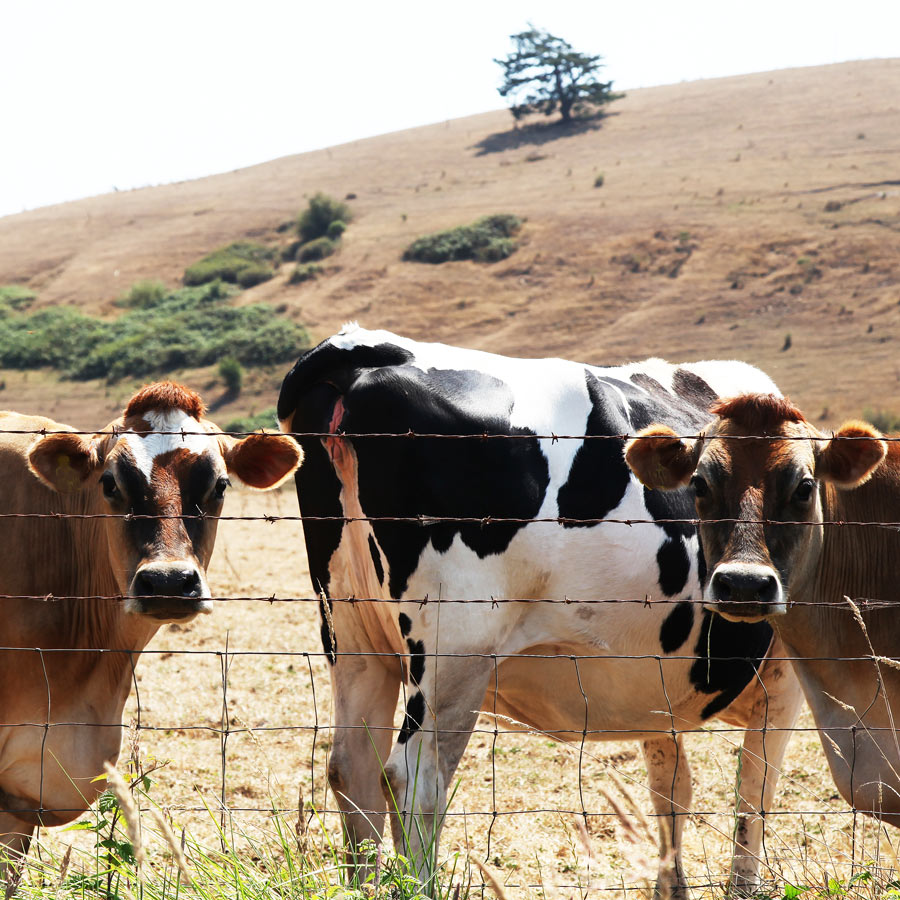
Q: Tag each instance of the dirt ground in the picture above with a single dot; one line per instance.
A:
(275, 750)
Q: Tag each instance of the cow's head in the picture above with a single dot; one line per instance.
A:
(759, 462)
(162, 458)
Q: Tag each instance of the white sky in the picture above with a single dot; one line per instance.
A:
(97, 94)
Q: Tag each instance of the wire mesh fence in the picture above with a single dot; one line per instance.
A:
(241, 705)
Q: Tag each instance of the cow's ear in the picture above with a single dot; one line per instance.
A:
(660, 459)
(63, 461)
(262, 460)
(851, 457)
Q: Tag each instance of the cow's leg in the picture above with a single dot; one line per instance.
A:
(15, 838)
(670, 788)
(440, 715)
(365, 697)
(776, 703)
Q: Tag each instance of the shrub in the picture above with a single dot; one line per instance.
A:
(304, 272)
(315, 250)
(289, 252)
(227, 264)
(253, 275)
(598, 181)
(268, 418)
(143, 294)
(189, 327)
(336, 229)
(232, 373)
(16, 296)
(487, 240)
(885, 420)
(321, 211)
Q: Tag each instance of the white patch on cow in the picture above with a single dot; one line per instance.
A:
(145, 448)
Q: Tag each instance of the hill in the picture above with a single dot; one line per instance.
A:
(733, 212)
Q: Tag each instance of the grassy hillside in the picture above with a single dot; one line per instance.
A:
(732, 213)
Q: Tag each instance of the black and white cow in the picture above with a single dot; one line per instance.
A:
(642, 670)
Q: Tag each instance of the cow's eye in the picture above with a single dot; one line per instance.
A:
(222, 485)
(110, 488)
(804, 490)
(701, 488)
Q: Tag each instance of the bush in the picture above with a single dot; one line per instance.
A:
(268, 418)
(315, 250)
(289, 252)
(336, 229)
(304, 272)
(598, 181)
(227, 264)
(322, 210)
(189, 327)
(487, 240)
(143, 294)
(232, 373)
(16, 296)
(885, 420)
(253, 275)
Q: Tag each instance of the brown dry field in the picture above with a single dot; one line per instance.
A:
(278, 691)
(709, 238)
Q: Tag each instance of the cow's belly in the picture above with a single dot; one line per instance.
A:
(609, 699)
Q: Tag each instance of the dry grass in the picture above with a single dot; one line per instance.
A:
(275, 757)
(722, 184)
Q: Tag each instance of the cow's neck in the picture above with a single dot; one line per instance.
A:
(857, 562)
(75, 562)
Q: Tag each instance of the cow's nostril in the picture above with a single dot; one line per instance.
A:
(191, 584)
(144, 585)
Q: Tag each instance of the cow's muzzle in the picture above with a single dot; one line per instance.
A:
(745, 592)
(169, 591)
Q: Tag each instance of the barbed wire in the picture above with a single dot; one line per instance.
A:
(480, 436)
(224, 728)
(865, 603)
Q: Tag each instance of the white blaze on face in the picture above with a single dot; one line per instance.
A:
(145, 448)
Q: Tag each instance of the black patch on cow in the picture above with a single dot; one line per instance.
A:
(437, 478)
(717, 669)
(329, 638)
(376, 559)
(412, 721)
(405, 624)
(650, 385)
(335, 366)
(694, 389)
(672, 556)
(676, 627)
(416, 660)
(599, 477)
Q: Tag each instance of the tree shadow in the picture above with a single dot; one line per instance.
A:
(536, 134)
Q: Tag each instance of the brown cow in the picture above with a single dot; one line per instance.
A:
(799, 576)
(61, 711)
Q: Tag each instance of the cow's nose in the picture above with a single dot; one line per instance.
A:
(166, 580)
(744, 584)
